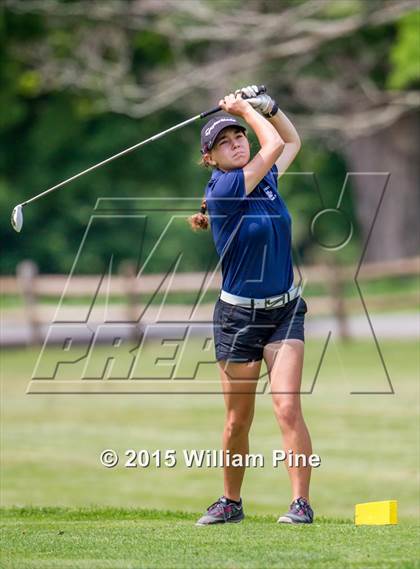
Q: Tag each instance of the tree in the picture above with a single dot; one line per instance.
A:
(346, 72)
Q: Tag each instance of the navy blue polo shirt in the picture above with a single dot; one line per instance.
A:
(252, 234)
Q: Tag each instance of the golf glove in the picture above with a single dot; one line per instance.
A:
(264, 104)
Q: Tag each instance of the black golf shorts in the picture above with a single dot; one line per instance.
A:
(240, 333)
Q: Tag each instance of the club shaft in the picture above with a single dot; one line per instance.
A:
(261, 89)
(126, 151)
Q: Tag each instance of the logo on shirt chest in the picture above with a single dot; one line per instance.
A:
(269, 193)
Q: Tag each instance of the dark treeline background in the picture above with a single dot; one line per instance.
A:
(84, 80)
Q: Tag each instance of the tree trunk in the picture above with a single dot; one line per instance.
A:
(394, 150)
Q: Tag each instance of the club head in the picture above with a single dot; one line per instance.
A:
(17, 218)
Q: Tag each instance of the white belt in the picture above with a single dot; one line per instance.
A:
(266, 303)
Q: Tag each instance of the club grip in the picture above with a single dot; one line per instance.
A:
(261, 89)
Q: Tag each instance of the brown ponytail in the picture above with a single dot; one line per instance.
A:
(200, 220)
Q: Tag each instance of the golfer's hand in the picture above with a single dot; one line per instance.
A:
(264, 104)
(235, 105)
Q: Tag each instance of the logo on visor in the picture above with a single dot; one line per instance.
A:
(208, 130)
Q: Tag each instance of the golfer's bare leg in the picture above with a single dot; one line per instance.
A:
(239, 382)
(285, 362)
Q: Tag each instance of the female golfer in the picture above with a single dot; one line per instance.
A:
(259, 314)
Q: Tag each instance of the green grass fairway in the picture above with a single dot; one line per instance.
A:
(51, 445)
(121, 539)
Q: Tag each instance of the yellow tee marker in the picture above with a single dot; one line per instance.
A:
(376, 513)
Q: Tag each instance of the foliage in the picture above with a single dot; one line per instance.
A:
(405, 54)
(63, 109)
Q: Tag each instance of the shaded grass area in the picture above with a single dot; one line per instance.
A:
(88, 538)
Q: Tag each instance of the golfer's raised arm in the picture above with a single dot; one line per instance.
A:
(272, 146)
(291, 139)
(270, 140)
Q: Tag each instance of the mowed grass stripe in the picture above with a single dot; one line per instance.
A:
(48, 538)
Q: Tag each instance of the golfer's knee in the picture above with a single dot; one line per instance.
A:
(237, 425)
(288, 414)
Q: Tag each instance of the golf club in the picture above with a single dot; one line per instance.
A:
(17, 213)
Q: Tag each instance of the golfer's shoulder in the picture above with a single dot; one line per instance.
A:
(225, 181)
